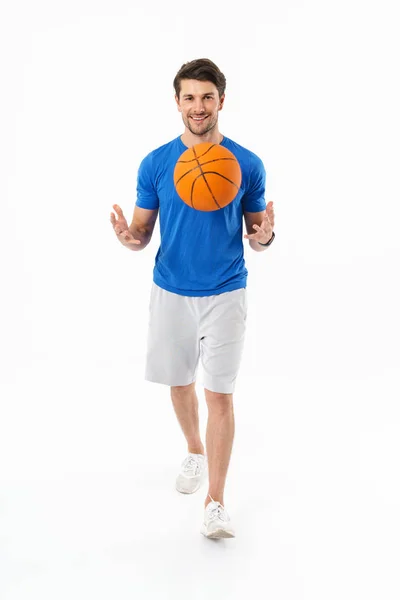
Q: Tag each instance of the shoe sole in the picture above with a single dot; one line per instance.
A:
(187, 492)
(218, 533)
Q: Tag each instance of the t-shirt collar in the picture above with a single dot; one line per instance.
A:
(222, 142)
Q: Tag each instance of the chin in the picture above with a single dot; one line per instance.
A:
(200, 133)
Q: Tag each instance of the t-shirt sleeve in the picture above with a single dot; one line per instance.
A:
(253, 199)
(146, 191)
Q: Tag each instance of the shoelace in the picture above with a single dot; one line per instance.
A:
(190, 466)
(218, 512)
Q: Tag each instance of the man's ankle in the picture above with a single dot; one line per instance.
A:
(218, 498)
(194, 450)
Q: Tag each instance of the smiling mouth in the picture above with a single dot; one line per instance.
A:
(199, 120)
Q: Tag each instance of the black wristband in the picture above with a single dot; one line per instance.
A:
(270, 241)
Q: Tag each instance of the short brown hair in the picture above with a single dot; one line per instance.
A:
(202, 69)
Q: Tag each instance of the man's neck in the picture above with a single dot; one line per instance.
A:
(191, 140)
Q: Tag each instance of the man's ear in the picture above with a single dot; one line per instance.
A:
(221, 102)
(177, 102)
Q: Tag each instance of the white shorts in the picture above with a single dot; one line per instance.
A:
(183, 329)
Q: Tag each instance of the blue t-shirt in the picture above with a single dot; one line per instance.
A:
(201, 252)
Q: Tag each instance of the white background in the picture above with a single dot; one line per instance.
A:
(89, 451)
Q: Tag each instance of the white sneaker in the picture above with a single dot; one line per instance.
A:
(217, 523)
(193, 473)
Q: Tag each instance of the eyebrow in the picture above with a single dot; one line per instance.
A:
(206, 94)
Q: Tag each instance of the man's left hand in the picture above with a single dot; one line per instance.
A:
(264, 231)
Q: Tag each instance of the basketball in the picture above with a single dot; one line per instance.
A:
(207, 176)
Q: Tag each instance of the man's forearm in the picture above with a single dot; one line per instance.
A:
(257, 247)
(139, 234)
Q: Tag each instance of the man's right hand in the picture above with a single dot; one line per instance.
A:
(121, 228)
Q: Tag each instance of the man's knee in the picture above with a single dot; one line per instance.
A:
(218, 400)
(183, 388)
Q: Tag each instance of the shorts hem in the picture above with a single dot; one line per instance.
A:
(219, 387)
(164, 382)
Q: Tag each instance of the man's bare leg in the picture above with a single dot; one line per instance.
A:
(219, 442)
(186, 405)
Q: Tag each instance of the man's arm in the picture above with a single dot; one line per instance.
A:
(250, 219)
(142, 225)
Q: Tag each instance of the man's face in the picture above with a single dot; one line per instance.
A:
(199, 104)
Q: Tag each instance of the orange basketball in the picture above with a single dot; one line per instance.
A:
(207, 176)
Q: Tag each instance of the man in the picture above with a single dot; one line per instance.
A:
(198, 303)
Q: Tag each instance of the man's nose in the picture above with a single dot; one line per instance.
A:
(199, 107)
